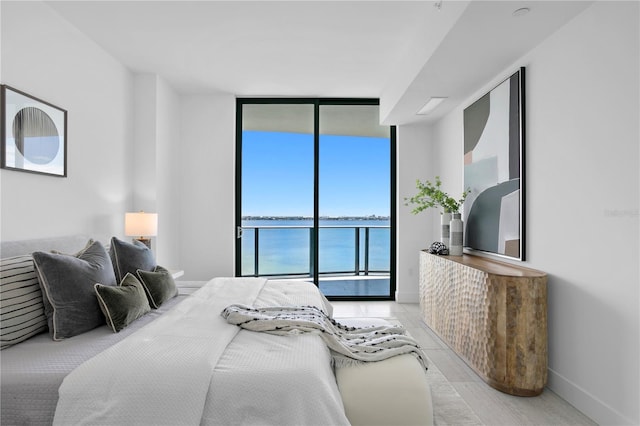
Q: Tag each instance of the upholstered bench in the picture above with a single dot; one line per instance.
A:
(397, 387)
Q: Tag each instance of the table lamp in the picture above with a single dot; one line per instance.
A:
(141, 225)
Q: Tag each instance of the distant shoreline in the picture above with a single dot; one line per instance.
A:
(372, 217)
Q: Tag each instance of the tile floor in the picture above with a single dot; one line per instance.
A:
(489, 405)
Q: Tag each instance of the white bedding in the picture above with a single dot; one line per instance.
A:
(32, 371)
(191, 367)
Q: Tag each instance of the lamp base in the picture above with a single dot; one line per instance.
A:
(145, 241)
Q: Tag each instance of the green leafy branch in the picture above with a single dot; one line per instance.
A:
(431, 195)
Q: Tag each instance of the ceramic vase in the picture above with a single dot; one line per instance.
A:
(445, 221)
(455, 235)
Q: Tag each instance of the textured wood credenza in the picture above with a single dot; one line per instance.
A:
(492, 314)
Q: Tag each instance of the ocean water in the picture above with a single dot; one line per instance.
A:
(285, 246)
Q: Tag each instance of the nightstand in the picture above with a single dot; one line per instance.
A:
(176, 273)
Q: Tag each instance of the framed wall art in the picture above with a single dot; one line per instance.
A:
(494, 133)
(33, 133)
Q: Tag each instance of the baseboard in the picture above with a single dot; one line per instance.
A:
(588, 404)
(404, 297)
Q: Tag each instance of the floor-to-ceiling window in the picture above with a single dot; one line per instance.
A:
(315, 193)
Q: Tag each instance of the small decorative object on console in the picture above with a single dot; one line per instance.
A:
(455, 236)
(438, 248)
(431, 195)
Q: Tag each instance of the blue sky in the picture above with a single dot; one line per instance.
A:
(277, 175)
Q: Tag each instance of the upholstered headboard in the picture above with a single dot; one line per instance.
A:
(65, 244)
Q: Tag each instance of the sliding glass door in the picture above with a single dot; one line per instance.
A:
(315, 195)
(276, 190)
(354, 201)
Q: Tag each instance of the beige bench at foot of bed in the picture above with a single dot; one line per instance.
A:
(390, 392)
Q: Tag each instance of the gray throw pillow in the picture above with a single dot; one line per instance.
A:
(67, 281)
(129, 257)
(159, 285)
(123, 304)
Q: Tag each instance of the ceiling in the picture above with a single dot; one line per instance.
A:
(402, 52)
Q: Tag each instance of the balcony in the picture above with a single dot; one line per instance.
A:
(352, 260)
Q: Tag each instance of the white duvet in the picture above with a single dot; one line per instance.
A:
(191, 367)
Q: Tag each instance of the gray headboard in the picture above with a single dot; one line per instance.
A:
(66, 244)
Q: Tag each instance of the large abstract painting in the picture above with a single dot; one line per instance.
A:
(493, 170)
(33, 134)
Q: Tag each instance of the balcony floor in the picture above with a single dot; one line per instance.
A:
(355, 286)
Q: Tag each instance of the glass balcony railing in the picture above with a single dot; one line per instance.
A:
(288, 251)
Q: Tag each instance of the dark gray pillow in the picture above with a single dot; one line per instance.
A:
(67, 281)
(159, 285)
(123, 304)
(129, 257)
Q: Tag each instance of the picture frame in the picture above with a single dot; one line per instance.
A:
(33, 134)
(494, 141)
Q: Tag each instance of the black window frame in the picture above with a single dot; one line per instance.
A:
(317, 102)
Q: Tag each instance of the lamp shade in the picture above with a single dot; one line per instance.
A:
(141, 224)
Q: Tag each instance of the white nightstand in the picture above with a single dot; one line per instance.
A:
(176, 273)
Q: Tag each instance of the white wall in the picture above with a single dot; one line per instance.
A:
(420, 156)
(207, 185)
(144, 147)
(168, 154)
(414, 158)
(48, 58)
(582, 188)
(155, 168)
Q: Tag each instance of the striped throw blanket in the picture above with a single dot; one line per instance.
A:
(348, 345)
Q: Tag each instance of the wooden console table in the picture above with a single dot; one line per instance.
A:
(492, 314)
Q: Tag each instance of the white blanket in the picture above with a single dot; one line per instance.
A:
(349, 345)
(191, 367)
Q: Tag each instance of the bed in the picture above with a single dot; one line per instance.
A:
(165, 367)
